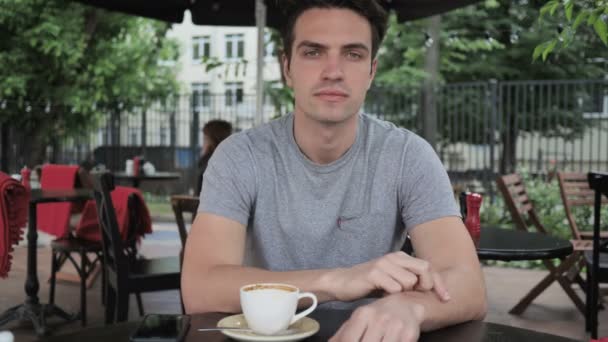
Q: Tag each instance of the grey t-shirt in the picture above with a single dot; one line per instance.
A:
(301, 215)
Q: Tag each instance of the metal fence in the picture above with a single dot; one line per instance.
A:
(480, 129)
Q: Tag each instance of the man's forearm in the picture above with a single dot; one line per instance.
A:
(467, 299)
(217, 289)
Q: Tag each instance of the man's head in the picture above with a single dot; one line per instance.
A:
(369, 9)
(330, 56)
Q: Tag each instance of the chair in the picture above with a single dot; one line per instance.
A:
(183, 204)
(125, 274)
(67, 244)
(597, 260)
(575, 191)
(524, 216)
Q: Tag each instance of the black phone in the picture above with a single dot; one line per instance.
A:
(162, 328)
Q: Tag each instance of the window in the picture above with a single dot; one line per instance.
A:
(164, 141)
(201, 95)
(201, 47)
(269, 46)
(234, 93)
(235, 46)
(133, 136)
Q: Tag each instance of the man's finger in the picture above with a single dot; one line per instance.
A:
(404, 277)
(440, 288)
(386, 282)
(421, 268)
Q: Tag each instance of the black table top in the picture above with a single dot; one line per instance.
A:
(330, 321)
(151, 176)
(62, 195)
(510, 245)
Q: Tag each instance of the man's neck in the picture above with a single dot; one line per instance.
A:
(324, 143)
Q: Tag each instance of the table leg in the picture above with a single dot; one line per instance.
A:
(31, 310)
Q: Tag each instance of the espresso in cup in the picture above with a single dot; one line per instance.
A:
(270, 308)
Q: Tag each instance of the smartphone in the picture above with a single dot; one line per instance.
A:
(161, 328)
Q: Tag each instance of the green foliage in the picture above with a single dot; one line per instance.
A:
(64, 64)
(571, 15)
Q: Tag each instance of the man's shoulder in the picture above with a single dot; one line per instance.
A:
(379, 129)
(257, 139)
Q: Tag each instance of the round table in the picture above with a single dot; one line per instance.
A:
(330, 320)
(510, 245)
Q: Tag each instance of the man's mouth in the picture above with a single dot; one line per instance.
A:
(331, 95)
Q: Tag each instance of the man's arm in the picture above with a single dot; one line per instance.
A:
(213, 273)
(446, 246)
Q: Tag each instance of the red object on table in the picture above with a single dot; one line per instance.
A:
(136, 166)
(25, 177)
(472, 221)
(54, 218)
(13, 216)
(89, 229)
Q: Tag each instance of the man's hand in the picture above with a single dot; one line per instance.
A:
(392, 273)
(387, 320)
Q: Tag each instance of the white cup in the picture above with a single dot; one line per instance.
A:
(270, 308)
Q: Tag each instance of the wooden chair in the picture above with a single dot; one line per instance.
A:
(597, 260)
(524, 217)
(66, 247)
(125, 274)
(575, 192)
(183, 204)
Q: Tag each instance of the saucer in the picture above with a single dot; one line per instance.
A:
(301, 329)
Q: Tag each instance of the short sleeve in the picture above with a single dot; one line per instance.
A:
(229, 182)
(426, 192)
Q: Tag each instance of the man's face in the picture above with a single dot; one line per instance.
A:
(331, 64)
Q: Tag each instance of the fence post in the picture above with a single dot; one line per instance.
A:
(4, 132)
(492, 134)
(144, 130)
(194, 127)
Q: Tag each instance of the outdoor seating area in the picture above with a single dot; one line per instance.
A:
(261, 170)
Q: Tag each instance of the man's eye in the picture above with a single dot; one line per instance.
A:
(311, 53)
(354, 55)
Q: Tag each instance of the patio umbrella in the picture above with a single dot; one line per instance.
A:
(242, 12)
(260, 13)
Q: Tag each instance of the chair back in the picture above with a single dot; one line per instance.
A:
(518, 202)
(575, 192)
(598, 183)
(116, 260)
(183, 204)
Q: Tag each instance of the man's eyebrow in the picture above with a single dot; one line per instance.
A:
(356, 46)
(310, 44)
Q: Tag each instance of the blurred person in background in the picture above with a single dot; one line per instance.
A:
(214, 132)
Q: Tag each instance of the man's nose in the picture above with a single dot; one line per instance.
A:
(333, 68)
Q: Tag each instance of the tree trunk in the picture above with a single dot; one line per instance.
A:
(431, 66)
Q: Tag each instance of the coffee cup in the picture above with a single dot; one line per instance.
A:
(270, 308)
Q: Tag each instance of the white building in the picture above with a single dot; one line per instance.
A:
(227, 91)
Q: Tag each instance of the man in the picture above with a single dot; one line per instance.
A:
(322, 198)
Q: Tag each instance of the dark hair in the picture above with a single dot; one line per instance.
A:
(217, 131)
(375, 14)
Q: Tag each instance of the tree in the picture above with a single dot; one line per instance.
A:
(491, 40)
(571, 16)
(64, 65)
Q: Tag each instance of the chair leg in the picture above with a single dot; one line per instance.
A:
(84, 272)
(535, 292)
(53, 277)
(140, 305)
(103, 280)
(110, 305)
(122, 307)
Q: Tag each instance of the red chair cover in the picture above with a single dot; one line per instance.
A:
(54, 218)
(88, 228)
(14, 200)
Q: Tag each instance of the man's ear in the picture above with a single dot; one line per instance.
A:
(286, 71)
(372, 72)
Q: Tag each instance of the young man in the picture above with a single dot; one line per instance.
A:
(323, 197)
